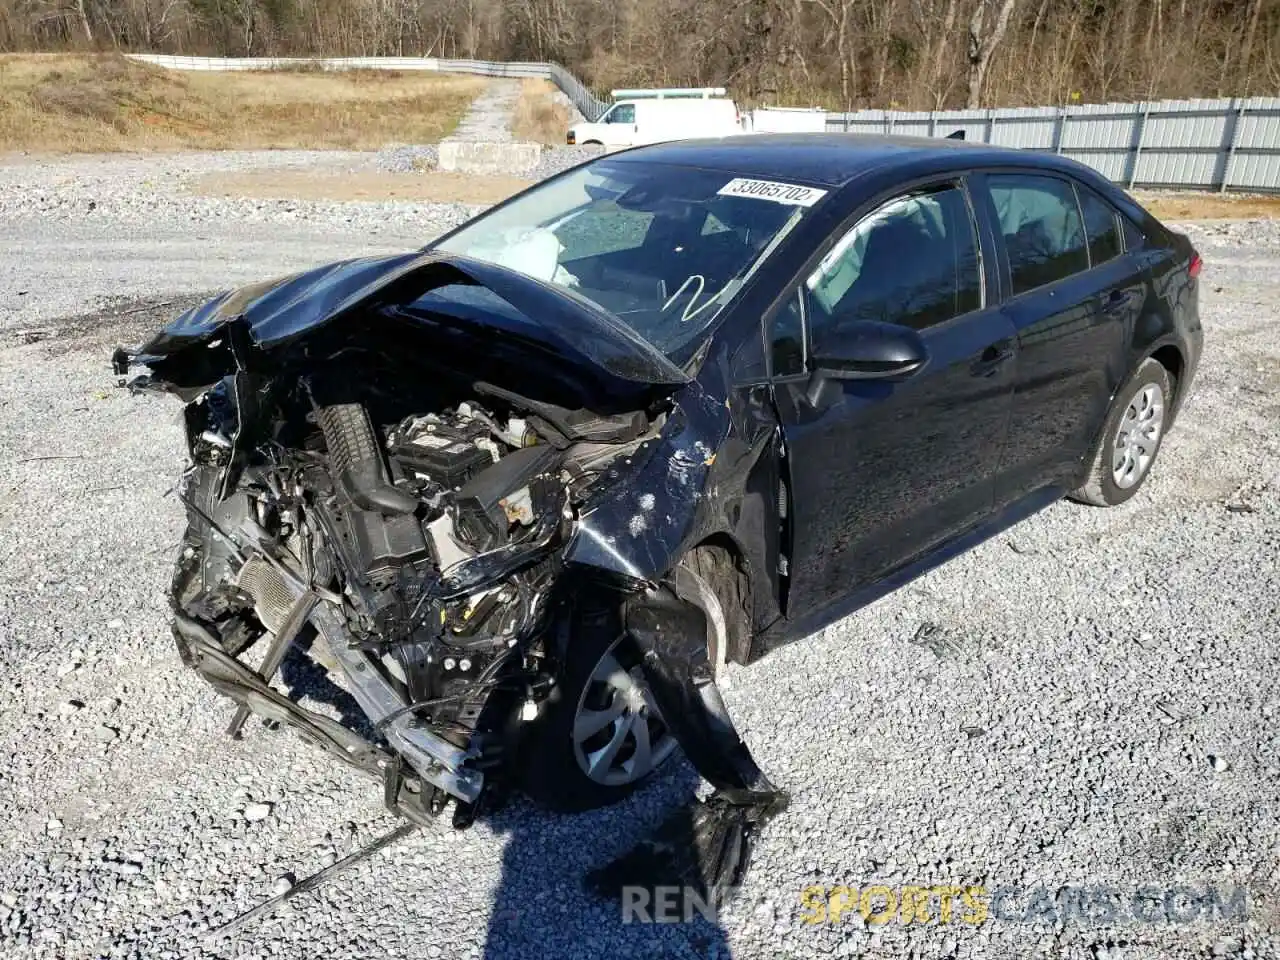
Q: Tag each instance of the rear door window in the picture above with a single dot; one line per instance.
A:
(1101, 227)
(1043, 233)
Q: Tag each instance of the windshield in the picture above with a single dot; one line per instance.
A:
(661, 247)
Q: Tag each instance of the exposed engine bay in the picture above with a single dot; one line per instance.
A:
(430, 538)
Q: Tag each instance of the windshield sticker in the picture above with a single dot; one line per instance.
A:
(793, 195)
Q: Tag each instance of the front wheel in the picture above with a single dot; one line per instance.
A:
(599, 734)
(1130, 439)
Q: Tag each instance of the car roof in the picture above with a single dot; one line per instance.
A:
(833, 159)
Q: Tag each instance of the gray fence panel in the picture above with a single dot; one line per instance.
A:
(1201, 144)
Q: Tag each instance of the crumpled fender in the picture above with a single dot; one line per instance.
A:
(657, 506)
(711, 474)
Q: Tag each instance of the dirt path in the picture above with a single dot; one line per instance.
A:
(489, 118)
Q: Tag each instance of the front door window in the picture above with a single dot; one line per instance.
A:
(622, 113)
(912, 262)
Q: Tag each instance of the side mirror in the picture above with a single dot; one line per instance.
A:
(866, 350)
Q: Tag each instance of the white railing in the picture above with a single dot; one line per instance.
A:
(578, 92)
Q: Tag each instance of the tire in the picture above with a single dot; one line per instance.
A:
(1131, 438)
(553, 765)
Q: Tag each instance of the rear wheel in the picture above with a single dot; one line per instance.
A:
(1130, 439)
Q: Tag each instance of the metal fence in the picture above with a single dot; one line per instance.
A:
(1198, 144)
(1201, 144)
(579, 93)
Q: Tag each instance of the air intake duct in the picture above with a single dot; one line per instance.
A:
(355, 460)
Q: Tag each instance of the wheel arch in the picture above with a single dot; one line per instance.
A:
(1169, 352)
(1165, 352)
(722, 564)
(1170, 357)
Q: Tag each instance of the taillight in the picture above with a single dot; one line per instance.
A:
(1194, 267)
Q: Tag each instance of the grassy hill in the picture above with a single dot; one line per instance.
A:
(78, 103)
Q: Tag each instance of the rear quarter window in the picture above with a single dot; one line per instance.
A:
(1133, 236)
(1101, 226)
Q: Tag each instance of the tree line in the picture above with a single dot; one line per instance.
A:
(841, 54)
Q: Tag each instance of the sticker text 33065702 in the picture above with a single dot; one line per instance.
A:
(792, 194)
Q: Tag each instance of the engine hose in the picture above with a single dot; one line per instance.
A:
(355, 460)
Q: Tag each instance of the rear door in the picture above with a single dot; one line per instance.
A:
(882, 471)
(1072, 299)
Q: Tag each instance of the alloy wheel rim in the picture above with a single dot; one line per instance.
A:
(618, 732)
(1138, 436)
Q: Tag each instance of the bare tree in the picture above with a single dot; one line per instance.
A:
(919, 54)
(937, 33)
(837, 15)
(84, 20)
(1246, 45)
(983, 40)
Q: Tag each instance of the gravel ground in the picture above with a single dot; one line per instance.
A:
(407, 158)
(488, 118)
(78, 228)
(557, 159)
(1095, 706)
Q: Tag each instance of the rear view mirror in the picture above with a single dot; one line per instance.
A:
(867, 350)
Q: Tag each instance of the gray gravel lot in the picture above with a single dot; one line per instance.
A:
(1097, 707)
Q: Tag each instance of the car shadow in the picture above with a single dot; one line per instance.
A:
(303, 678)
(542, 906)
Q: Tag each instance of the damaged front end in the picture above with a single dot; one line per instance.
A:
(378, 476)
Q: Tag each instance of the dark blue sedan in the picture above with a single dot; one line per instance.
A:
(534, 485)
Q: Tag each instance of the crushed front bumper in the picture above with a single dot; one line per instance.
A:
(437, 769)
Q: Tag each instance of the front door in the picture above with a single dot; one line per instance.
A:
(882, 471)
(618, 126)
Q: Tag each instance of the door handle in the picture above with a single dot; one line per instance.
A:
(1115, 301)
(992, 359)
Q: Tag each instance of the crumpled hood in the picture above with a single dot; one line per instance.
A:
(278, 311)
